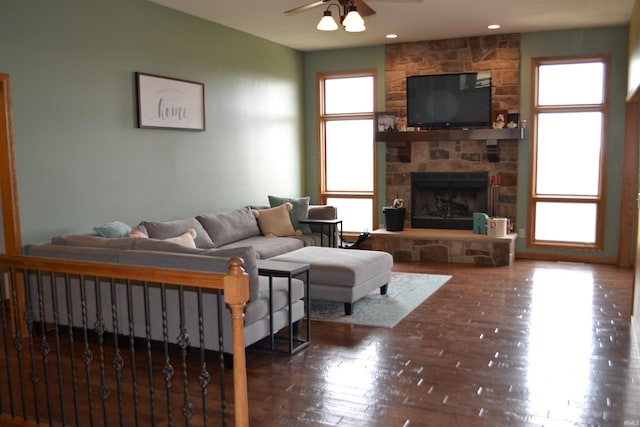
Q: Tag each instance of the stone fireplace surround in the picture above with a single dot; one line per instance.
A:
(499, 54)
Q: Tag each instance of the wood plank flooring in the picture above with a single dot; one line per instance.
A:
(531, 344)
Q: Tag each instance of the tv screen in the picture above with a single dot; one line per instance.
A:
(441, 101)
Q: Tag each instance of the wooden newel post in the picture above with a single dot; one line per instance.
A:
(236, 295)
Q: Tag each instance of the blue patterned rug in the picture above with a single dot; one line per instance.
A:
(406, 291)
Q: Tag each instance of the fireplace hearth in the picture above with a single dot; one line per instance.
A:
(447, 200)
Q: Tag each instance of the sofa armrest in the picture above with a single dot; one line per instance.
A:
(322, 212)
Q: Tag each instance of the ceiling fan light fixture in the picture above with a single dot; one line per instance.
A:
(353, 19)
(355, 28)
(327, 23)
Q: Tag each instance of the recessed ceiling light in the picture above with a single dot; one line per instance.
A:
(391, 36)
(493, 26)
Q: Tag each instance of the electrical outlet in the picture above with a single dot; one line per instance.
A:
(521, 233)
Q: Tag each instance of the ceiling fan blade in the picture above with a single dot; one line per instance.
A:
(363, 8)
(306, 6)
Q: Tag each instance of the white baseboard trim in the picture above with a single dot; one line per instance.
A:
(635, 335)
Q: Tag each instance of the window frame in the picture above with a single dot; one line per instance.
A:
(600, 199)
(322, 119)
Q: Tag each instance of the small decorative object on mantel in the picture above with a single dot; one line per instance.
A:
(513, 120)
(401, 124)
(385, 121)
(499, 119)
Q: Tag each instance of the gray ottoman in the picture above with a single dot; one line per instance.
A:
(342, 275)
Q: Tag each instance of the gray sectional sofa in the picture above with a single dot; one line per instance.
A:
(170, 244)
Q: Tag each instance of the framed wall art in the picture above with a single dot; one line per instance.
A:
(169, 103)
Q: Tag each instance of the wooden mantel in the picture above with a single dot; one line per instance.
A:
(403, 140)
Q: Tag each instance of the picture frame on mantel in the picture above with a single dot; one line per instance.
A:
(169, 103)
(385, 121)
(500, 119)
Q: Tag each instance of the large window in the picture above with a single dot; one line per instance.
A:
(569, 116)
(346, 146)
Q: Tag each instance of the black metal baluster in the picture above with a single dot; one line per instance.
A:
(56, 331)
(147, 327)
(167, 369)
(183, 343)
(204, 378)
(87, 355)
(44, 345)
(18, 339)
(72, 353)
(223, 399)
(99, 327)
(34, 376)
(132, 351)
(118, 362)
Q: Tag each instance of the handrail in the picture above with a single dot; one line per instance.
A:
(235, 285)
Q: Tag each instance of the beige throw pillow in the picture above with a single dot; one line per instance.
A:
(276, 221)
(186, 239)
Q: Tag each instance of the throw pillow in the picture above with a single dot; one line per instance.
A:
(299, 211)
(229, 227)
(113, 229)
(137, 233)
(186, 239)
(276, 221)
(167, 229)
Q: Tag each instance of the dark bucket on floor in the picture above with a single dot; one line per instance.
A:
(394, 218)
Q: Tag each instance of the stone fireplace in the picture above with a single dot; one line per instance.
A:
(452, 153)
(499, 54)
(447, 200)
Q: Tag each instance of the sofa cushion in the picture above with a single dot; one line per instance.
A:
(94, 241)
(299, 211)
(229, 227)
(167, 229)
(247, 253)
(267, 247)
(185, 239)
(276, 221)
(113, 229)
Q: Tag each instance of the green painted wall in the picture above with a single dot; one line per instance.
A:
(555, 43)
(82, 162)
(613, 41)
(340, 60)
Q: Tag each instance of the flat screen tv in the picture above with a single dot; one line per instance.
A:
(442, 101)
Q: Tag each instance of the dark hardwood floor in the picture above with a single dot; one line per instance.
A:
(532, 344)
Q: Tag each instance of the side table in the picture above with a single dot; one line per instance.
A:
(334, 229)
(289, 270)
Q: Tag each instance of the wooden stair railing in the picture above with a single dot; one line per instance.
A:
(234, 284)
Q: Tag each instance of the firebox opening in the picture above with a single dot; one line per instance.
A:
(447, 200)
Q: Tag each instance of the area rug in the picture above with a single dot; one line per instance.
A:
(406, 291)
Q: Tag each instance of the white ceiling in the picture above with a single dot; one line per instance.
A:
(412, 20)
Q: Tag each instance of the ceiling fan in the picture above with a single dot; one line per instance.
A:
(363, 8)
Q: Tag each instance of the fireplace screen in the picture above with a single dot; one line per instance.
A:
(447, 199)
